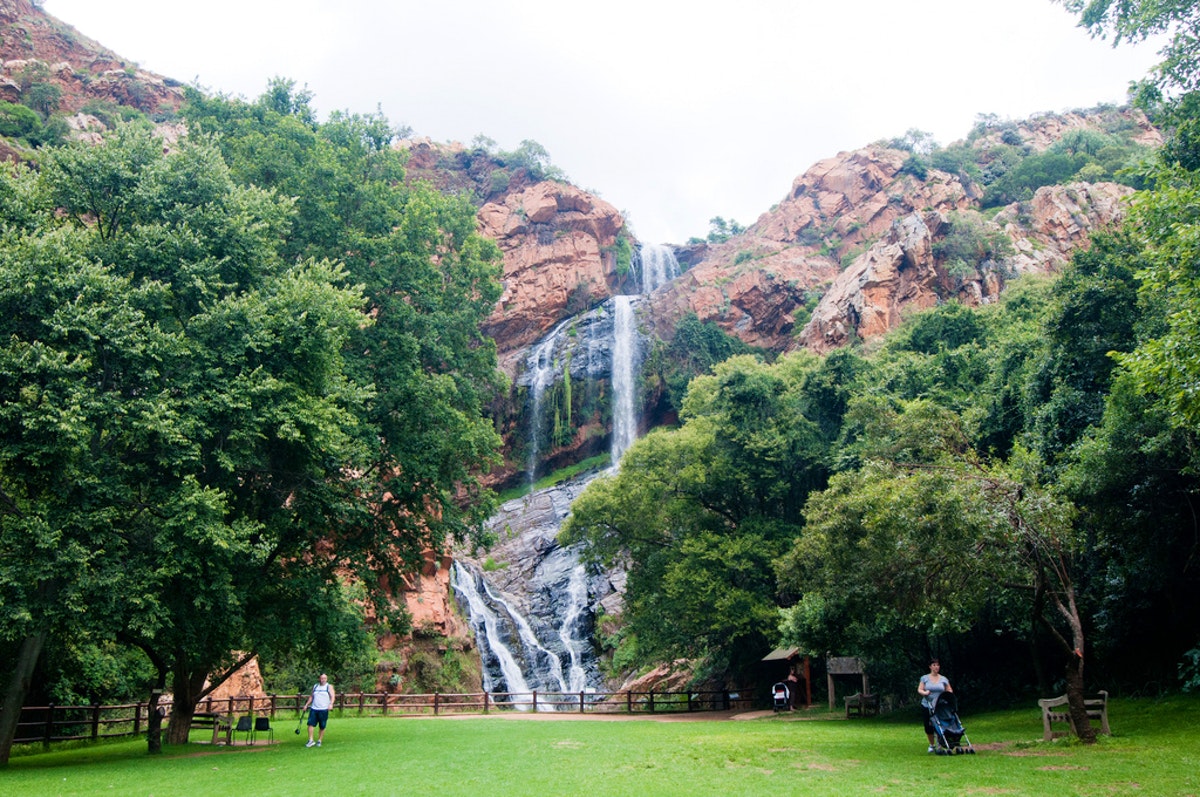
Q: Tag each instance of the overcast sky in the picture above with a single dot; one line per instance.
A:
(673, 111)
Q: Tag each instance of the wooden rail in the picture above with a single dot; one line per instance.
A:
(46, 724)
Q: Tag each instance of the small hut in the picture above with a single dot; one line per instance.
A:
(787, 665)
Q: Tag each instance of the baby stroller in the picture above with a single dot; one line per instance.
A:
(951, 735)
(781, 696)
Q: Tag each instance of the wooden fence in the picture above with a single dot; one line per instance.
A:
(46, 724)
(53, 723)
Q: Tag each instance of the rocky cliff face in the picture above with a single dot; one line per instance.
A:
(36, 48)
(857, 232)
(901, 273)
(755, 284)
(558, 241)
(558, 259)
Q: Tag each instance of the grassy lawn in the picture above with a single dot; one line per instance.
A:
(1155, 750)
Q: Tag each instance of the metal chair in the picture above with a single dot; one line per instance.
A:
(244, 725)
(264, 724)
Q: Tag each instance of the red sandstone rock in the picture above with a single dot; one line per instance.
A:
(556, 241)
(32, 41)
(900, 273)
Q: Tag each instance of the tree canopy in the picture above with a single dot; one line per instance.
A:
(237, 374)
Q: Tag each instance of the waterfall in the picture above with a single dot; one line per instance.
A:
(486, 624)
(533, 618)
(542, 367)
(577, 605)
(659, 266)
(624, 382)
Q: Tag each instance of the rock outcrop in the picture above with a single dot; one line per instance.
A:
(39, 49)
(755, 284)
(558, 246)
(901, 273)
(840, 235)
(247, 682)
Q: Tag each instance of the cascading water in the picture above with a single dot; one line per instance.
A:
(624, 417)
(542, 368)
(577, 603)
(533, 618)
(659, 266)
(490, 629)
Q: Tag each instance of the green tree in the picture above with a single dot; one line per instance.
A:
(1167, 365)
(17, 121)
(430, 280)
(698, 513)
(721, 230)
(180, 430)
(1138, 20)
(921, 538)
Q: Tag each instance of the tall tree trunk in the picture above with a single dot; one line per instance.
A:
(16, 689)
(1075, 701)
(186, 687)
(1063, 601)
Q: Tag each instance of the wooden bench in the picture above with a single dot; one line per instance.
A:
(218, 723)
(1056, 709)
(862, 705)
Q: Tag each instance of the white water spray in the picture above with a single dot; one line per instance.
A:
(561, 581)
(659, 266)
(624, 382)
(486, 624)
(542, 368)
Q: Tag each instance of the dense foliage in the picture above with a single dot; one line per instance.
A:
(232, 371)
(1009, 487)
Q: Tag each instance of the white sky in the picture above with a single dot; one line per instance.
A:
(673, 111)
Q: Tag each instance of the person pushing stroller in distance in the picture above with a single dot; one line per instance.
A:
(939, 708)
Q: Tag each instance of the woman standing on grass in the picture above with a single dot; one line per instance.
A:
(930, 688)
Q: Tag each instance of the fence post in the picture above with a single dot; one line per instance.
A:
(361, 700)
(436, 702)
(535, 701)
(137, 718)
(651, 701)
(486, 699)
(95, 722)
(272, 696)
(581, 711)
(629, 702)
(49, 730)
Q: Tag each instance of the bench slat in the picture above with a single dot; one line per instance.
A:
(1096, 709)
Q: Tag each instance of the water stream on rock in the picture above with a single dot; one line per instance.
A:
(533, 616)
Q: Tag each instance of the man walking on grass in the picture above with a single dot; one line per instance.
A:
(320, 699)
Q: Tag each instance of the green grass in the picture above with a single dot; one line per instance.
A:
(557, 477)
(1155, 750)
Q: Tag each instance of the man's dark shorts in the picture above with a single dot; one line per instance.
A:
(318, 717)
